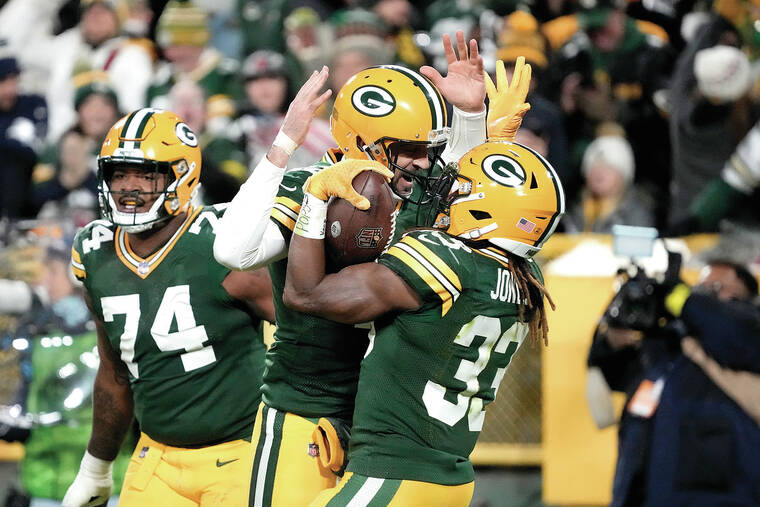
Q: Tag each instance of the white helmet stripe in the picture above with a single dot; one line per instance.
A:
(135, 123)
(431, 93)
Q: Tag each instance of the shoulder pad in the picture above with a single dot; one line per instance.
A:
(433, 263)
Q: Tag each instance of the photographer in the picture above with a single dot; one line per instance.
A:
(684, 438)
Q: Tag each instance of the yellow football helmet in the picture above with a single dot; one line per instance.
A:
(383, 105)
(504, 193)
(155, 141)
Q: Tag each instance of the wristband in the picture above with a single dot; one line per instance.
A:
(312, 218)
(284, 142)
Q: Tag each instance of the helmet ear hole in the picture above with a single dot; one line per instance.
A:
(533, 182)
(480, 215)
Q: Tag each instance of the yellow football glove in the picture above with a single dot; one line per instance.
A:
(337, 180)
(507, 104)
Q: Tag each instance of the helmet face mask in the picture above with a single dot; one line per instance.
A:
(401, 156)
(381, 109)
(156, 143)
(503, 193)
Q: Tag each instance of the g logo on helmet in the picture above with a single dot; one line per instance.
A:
(186, 135)
(373, 101)
(504, 170)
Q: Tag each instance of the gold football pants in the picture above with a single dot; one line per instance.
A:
(357, 489)
(286, 471)
(163, 476)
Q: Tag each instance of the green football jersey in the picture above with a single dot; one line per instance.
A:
(195, 355)
(312, 368)
(430, 373)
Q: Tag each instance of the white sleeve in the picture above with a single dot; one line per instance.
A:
(742, 169)
(468, 130)
(246, 238)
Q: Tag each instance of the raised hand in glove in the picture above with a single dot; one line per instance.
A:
(507, 105)
(337, 179)
(92, 485)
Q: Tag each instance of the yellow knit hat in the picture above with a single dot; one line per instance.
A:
(182, 24)
(520, 37)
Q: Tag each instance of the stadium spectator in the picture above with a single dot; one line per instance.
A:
(710, 113)
(65, 179)
(400, 16)
(732, 195)
(224, 164)
(268, 87)
(95, 44)
(445, 17)
(609, 196)
(520, 37)
(23, 124)
(268, 24)
(359, 42)
(608, 68)
(183, 35)
(307, 41)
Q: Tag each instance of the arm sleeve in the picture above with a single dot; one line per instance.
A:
(246, 238)
(468, 130)
(742, 170)
(728, 331)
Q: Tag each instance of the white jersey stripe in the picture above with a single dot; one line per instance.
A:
(366, 493)
(261, 475)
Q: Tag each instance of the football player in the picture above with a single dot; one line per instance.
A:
(451, 305)
(388, 113)
(177, 332)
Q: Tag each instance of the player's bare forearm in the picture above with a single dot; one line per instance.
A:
(358, 293)
(112, 404)
(306, 268)
(253, 287)
(112, 416)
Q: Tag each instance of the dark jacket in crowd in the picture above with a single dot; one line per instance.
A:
(18, 155)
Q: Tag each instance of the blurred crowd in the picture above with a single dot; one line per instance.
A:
(638, 105)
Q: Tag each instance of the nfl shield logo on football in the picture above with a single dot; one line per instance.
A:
(313, 450)
(369, 237)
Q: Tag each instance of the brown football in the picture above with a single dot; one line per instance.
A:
(354, 236)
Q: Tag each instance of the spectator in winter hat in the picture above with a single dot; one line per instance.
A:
(267, 87)
(183, 35)
(723, 73)
(608, 196)
(65, 179)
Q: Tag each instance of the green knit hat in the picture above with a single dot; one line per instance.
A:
(94, 87)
